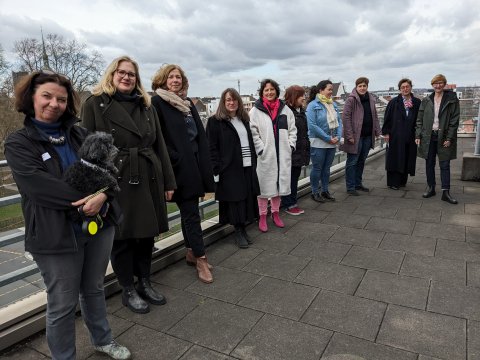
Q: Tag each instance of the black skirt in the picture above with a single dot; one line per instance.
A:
(240, 212)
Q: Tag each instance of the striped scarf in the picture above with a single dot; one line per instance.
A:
(407, 103)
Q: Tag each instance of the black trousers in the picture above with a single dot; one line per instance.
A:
(132, 257)
(191, 226)
(395, 178)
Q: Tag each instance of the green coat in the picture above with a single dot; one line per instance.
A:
(448, 119)
(145, 172)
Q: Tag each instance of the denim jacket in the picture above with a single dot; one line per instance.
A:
(317, 121)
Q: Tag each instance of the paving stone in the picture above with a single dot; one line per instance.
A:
(279, 266)
(275, 338)
(346, 314)
(435, 204)
(462, 220)
(352, 220)
(424, 333)
(376, 210)
(418, 215)
(360, 237)
(314, 216)
(321, 250)
(433, 268)
(390, 225)
(23, 353)
(471, 190)
(216, 325)
(161, 318)
(114, 303)
(312, 231)
(455, 300)
(330, 276)
(241, 258)
(228, 285)
(200, 353)
(344, 347)
(367, 258)
(307, 202)
(472, 209)
(473, 274)
(414, 194)
(288, 220)
(473, 340)
(370, 199)
(178, 276)
(425, 357)
(397, 203)
(388, 193)
(458, 250)
(279, 297)
(394, 289)
(276, 242)
(473, 235)
(441, 231)
(337, 206)
(409, 244)
(216, 254)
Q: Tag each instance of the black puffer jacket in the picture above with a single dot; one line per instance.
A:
(301, 155)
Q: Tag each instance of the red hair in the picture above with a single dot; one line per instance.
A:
(293, 93)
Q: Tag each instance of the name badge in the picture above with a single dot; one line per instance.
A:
(46, 156)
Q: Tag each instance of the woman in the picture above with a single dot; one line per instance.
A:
(187, 148)
(274, 135)
(121, 106)
(324, 129)
(71, 264)
(436, 134)
(399, 131)
(294, 98)
(231, 150)
(360, 129)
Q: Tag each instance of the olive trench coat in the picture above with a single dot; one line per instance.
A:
(145, 172)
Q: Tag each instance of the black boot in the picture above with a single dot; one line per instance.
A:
(446, 197)
(245, 235)
(145, 290)
(326, 195)
(239, 238)
(317, 198)
(133, 301)
(430, 192)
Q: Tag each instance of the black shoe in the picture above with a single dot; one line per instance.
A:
(393, 187)
(317, 198)
(245, 235)
(240, 239)
(133, 301)
(327, 196)
(144, 289)
(446, 197)
(362, 188)
(353, 192)
(430, 192)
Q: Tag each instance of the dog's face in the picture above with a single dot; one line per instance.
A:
(98, 148)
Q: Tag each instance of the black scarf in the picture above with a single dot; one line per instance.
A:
(132, 98)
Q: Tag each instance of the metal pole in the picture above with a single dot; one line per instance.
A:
(477, 141)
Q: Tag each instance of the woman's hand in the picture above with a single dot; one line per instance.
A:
(446, 143)
(333, 141)
(351, 141)
(168, 195)
(106, 211)
(387, 138)
(417, 141)
(93, 206)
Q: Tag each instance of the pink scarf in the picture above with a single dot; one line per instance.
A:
(272, 110)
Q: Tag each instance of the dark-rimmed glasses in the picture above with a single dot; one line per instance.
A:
(123, 73)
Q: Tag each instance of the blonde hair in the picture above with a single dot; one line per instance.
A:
(106, 83)
(437, 78)
(159, 80)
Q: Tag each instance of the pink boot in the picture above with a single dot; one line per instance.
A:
(262, 225)
(276, 219)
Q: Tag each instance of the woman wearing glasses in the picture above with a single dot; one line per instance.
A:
(436, 134)
(121, 106)
(72, 265)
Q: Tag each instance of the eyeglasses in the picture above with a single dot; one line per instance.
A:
(405, 87)
(123, 73)
(51, 72)
(438, 84)
(231, 100)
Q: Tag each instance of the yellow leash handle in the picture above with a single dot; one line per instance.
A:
(91, 197)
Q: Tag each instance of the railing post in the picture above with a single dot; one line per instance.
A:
(202, 211)
(477, 141)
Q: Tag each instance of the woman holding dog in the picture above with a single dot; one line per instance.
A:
(72, 265)
(120, 106)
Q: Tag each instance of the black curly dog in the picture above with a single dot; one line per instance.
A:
(96, 171)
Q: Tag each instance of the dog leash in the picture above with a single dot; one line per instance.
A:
(99, 218)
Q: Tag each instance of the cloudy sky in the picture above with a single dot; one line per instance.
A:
(294, 42)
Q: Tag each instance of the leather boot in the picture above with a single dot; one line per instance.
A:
(239, 239)
(276, 219)
(446, 197)
(145, 290)
(430, 192)
(262, 224)
(192, 260)
(326, 195)
(245, 235)
(133, 301)
(203, 273)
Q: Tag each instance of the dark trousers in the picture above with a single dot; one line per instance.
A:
(290, 201)
(430, 165)
(356, 163)
(191, 226)
(395, 178)
(132, 257)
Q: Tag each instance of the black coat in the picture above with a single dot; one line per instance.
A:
(46, 198)
(402, 133)
(192, 180)
(227, 161)
(301, 155)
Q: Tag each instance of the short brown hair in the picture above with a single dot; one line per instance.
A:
(361, 80)
(268, 81)
(404, 80)
(160, 78)
(29, 84)
(222, 113)
(293, 93)
(437, 78)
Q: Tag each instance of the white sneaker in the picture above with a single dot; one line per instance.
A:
(114, 350)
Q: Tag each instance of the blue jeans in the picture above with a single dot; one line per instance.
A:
(430, 165)
(290, 201)
(321, 161)
(70, 276)
(356, 163)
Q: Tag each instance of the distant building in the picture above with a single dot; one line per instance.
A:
(200, 106)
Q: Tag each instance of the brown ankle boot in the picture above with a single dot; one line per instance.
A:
(203, 273)
(192, 260)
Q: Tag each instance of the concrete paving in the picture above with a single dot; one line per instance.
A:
(386, 275)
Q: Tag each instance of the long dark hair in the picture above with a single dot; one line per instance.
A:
(222, 113)
(314, 90)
